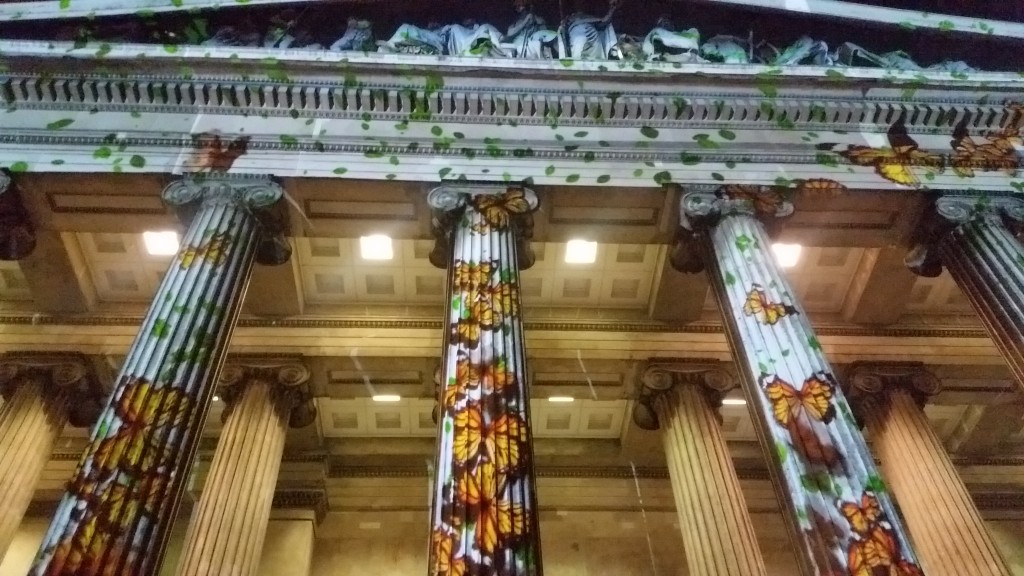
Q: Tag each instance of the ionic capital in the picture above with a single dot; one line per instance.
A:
(17, 237)
(259, 195)
(657, 379)
(951, 211)
(875, 381)
(701, 210)
(288, 378)
(512, 206)
(66, 381)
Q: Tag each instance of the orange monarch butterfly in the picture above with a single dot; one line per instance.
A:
(894, 163)
(443, 564)
(467, 441)
(997, 154)
(466, 331)
(765, 199)
(798, 410)
(820, 188)
(864, 515)
(764, 310)
(496, 209)
(878, 553)
(470, 276)
(214, 250)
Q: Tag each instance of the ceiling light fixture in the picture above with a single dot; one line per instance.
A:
(376, 247)
(580, 252)
(734, 402)
(561, 399)
(787, 255)
(161, 243)
(387, 398)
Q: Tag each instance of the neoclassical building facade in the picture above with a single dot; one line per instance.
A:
(330, 288)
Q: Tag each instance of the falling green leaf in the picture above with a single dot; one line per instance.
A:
(160, 328)
(581, 134)
(835, 74)
(549, 170)
(444, 172)
(689, 159)
(340, 171)
(717, 176)
(293, 113)
(137, 161)
(103, 50)
(662, 178)
(876, 484)
(649, 132)
(744, 242)
(56, 162)
(436, 130)
(638, 173)
(170, 48)
(729, 278)
(785, 353)
(604, 179)
(59, 124)
(19, 166)
(781, 450)
(727, 134)
(101, 152)
(826, 160)
(588, 157)
(393, 160)
(566, 62)
(288, 140)
(571, 178)
(812, 341)
(819, 482)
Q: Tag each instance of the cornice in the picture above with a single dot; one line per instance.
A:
(552, 326)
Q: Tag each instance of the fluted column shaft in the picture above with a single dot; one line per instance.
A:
(718, 535)
(819, 462)
(484, 517)
(987, 262)
(30, 423)
(117, 512)
(948, 531)
(226, 533)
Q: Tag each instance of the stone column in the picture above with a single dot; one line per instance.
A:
(947, 528)
(119, 507)
(229, 524)
(717, 532)
(42, 393)
(484, 517)
(819, 463)
(971, 236)
(17, 237)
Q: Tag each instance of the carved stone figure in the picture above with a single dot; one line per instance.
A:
(245, 34)
(586, 37)
(358, 36)
(528, 36)
(726, 49)
(666, 43)
(851, 54)
(411, 39)
(804, 51)
(472, 39)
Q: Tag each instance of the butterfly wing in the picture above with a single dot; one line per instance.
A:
(855, 515)
(816, 398)
(898, 172)
(506, 442)
(785, 400)
(866, 155)
(468, 437)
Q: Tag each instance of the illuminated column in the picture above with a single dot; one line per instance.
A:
(717, 533)
(42, 393)
(229, 524)
(119, 507)
(820, 465)
(17, 238)
(971, 237)
(484, 517)
(947, 529)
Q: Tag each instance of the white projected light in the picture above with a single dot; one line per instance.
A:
(387, 398)
(734, 402)
(161, 243)
(376, 247)
(787, 255)
(562, 399)
(580, 252)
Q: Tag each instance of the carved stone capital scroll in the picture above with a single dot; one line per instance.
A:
(261, 195)
(515, 204)
(874, 381)
(661, 377)
(954, 210)
(288, 378)
(17, 237)
(699, 211)
(67, 379)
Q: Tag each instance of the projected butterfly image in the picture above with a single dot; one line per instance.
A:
(897, 162)
(874, 549)
(804, 412)
(998, 153)
(765, 310)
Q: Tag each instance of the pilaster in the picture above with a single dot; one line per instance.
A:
(682, 400)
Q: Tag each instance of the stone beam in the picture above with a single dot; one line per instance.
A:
(880, 289)
(679, 297)
(274, 291)
(57, 275)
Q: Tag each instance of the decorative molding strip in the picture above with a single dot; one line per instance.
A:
(315, 499)
(402, 324)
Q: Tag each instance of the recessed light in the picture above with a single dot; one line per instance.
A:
(386, 398)
(734, 402)
(376, 247)
(561, 399)
(161, 243)
(787, 255)
(216, 398)
(580, 252)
